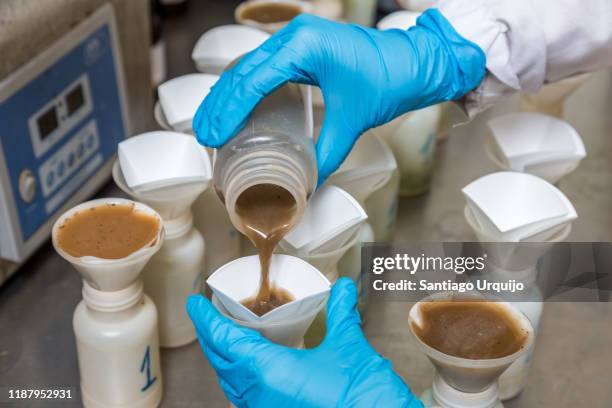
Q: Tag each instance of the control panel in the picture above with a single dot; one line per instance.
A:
(62, 116)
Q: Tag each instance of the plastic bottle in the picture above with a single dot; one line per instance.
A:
(174, 273)
(274, 147)
(117, 348)
(115, 325)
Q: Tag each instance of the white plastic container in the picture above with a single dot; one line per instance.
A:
(219, 46)
(412, 138)
(172, 274)
(360, 12)
(115, 324)
(269, 27)
(382, 209)
(461, 382)
(180, 97)
(118, 349)
(274, 147)
(514, 207)
(210, 216)
(239, 280)
(534, 143)
(288, 333)
(177, 270)
(401, 20)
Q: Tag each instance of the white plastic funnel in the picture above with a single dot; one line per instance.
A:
(169, 201)
(218, 47)
(239, 280)
(180, 97)
(469, 375)
(110, 275)
(535, 143)
(326, 262)
(154, 160)
(401, 20)
(289, 332)
(330, 219)
(517, 206)
(367, 168)
(516, 257)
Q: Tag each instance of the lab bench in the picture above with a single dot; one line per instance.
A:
(572, 356)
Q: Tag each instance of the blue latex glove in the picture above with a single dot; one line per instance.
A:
(367, 77)
(344, 371)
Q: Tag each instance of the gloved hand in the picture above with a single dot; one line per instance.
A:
(367, 77)
(344, 371)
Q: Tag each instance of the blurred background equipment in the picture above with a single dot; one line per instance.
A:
(65, 86)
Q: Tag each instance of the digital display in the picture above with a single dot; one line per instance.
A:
(47, 123)
(75, 99)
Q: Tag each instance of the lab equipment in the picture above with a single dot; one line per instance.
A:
(177, 269)
(63, 109)
(270, 15)
(463, 382)
(343, 371)
(115, 324)
(209, 214)
(535, 143)
(275, 147)
(220, 46)
(513, 207)
(239, 280)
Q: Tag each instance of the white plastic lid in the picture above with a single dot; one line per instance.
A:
(330, 219)
(155, 159)
(180, 98)
(402, 20)
(530, 139)
(513, 205)
(217, 47)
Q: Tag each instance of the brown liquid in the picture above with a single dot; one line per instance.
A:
(267, 212)
(271, 13)
(470, 329)
(278, 297)
(108, 231)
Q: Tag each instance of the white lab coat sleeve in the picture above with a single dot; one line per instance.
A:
(529, 43)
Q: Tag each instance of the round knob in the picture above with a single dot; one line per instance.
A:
(27, 186)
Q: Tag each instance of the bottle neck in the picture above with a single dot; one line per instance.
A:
(115, 301)
(179, 226)
(450, 397)
(265, 167)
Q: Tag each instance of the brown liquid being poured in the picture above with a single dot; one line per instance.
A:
(271, 13)
(108, 231)
(267, 212)
(470, 329)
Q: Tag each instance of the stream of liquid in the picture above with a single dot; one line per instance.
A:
(267, 212)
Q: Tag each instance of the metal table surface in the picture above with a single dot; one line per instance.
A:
(573, 352)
